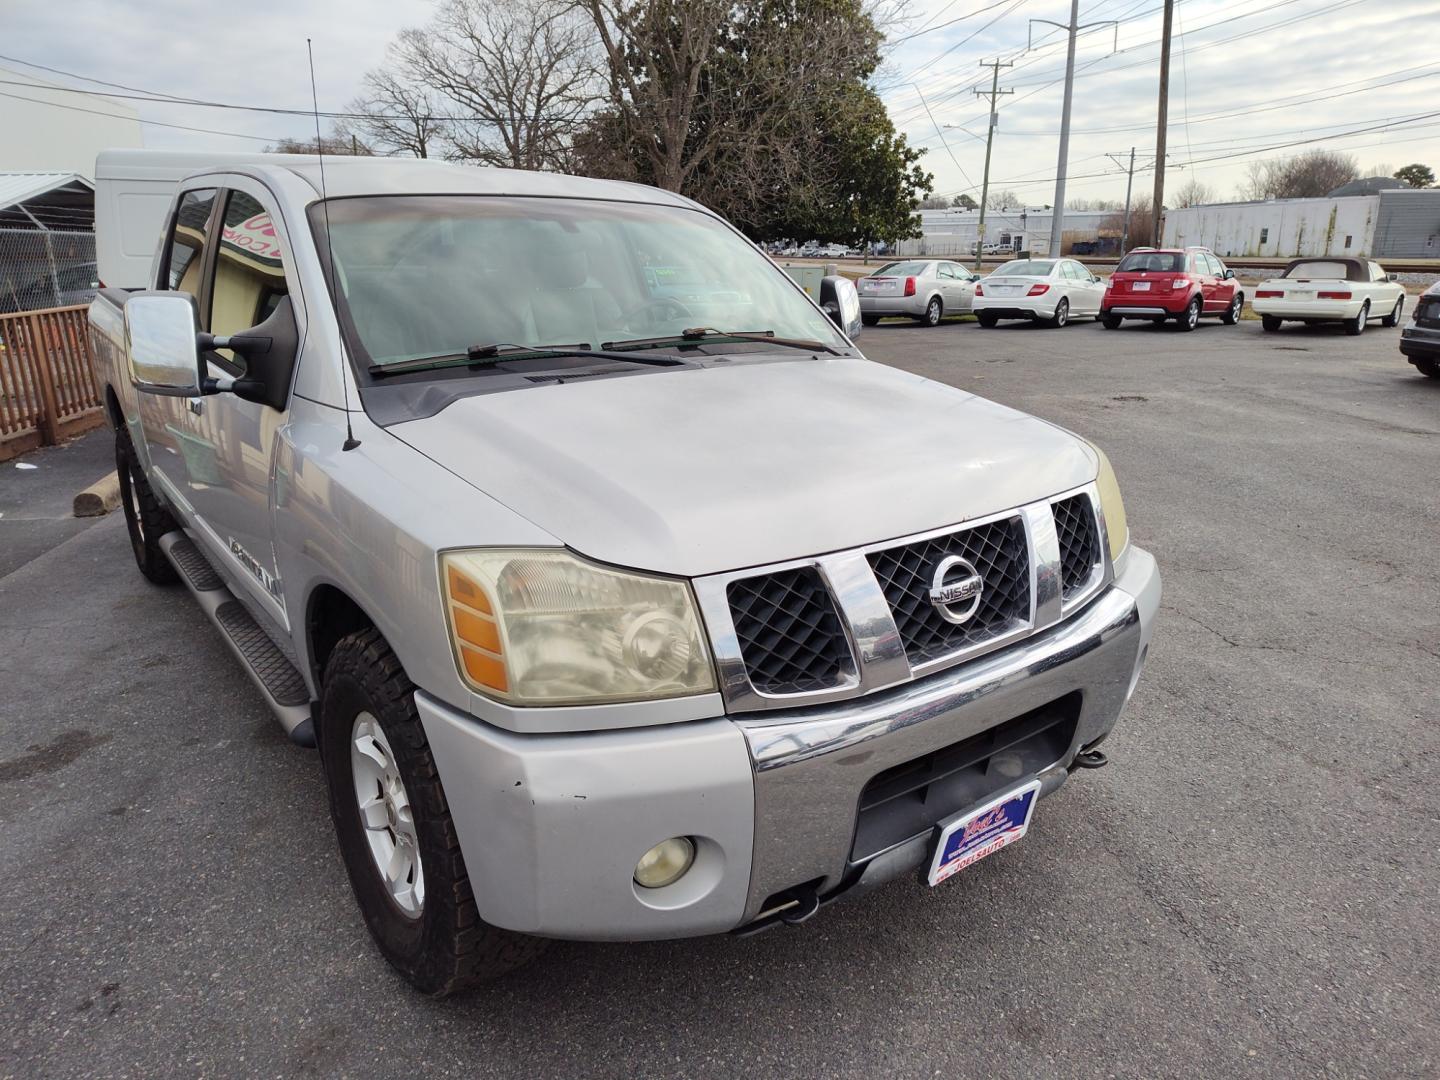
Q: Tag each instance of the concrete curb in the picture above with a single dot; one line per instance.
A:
(99, 498)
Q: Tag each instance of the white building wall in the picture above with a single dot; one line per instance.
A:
(47, 134)
(1280, 228)
(954, 232)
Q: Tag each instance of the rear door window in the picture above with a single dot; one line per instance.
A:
(185, 253)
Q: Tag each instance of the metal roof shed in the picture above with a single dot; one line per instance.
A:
(59, 201)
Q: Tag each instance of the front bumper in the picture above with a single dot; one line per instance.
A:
(552, 825)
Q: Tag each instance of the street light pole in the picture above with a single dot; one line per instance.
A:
(1073, 27)
(1129, 183)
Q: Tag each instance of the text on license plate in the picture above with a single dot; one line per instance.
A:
(997, 824)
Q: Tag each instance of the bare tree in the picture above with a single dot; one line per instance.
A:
(1306, 176)
(521, 75)
(1093, 204)
(338, 143)
(398, 115)
(1004, 199)
(1142, 221)
(1194, 193)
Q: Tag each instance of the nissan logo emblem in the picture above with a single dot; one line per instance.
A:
(956, 589)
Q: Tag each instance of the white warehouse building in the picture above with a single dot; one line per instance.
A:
(953, 232)
(1401, 223)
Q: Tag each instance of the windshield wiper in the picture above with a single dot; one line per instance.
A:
(477, 356)
(700, 334)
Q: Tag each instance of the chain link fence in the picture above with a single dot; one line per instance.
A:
(41, 269)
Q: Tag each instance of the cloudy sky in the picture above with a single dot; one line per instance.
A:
(1247, 77)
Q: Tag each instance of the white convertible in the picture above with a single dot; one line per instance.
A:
(1330, 289)
(1049, 291)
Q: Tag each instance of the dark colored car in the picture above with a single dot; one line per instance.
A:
(1171, 283)
(1420, 341)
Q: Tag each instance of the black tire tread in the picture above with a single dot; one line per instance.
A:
(154, 518)
(470, 951)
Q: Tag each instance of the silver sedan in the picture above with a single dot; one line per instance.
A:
(919, 288)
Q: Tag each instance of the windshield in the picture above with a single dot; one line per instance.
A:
(1025, 268)
(434, 275)
(1161, 262)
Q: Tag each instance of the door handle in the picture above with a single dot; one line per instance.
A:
(196, 405)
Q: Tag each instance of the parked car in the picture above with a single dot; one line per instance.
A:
(833, 251)
(1420, 341)
(580, 659)
(1330, 288)
(1184, 284)
(1049, 291)
(923, 289)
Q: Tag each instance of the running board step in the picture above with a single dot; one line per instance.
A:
(268, 667)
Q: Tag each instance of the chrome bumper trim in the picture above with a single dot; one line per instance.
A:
(811, 765)
(1131, 310)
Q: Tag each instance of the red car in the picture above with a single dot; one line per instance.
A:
(1171, 283)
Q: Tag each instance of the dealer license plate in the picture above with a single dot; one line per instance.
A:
(1142, 286)
(997, 824)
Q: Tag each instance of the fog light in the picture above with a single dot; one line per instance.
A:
(665, 863)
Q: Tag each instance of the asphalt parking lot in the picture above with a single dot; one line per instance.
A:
(1251, 888)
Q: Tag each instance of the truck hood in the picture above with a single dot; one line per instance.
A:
(700, 470)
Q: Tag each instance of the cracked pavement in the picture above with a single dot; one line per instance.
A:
(1251, 888)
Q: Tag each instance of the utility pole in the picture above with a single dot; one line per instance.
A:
(1057, 215)
(993, 95)
(1158, 202)
(1129, 182)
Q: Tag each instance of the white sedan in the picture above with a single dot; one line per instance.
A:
(1330, 289)
(924, 289)
(1049, 291)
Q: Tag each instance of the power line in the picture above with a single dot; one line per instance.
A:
(151, 123)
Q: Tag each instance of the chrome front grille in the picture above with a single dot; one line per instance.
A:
(1000, 555)
(841, 625)
(789, 632)
(1079, 543)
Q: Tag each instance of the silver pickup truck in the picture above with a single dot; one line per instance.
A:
(623, 597)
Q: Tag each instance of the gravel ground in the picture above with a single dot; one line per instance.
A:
(1250, 889)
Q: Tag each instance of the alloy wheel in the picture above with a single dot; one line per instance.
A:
(387, 816)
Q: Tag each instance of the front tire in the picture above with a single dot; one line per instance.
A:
(1269, 322)
(1356, 326)
(1232, 313)
(396, 835)
(145, 519)
(1190, 317)
(1061, 316)
(1396, 313)
(934, 310)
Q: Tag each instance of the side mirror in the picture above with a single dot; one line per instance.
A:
(160, 342)
(841, 301)
(1392, 277)
(1229, 273)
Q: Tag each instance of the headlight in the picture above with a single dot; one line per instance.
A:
(543, 627)
(1112, 505)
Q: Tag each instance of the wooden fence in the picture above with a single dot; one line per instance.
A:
(47, 385)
